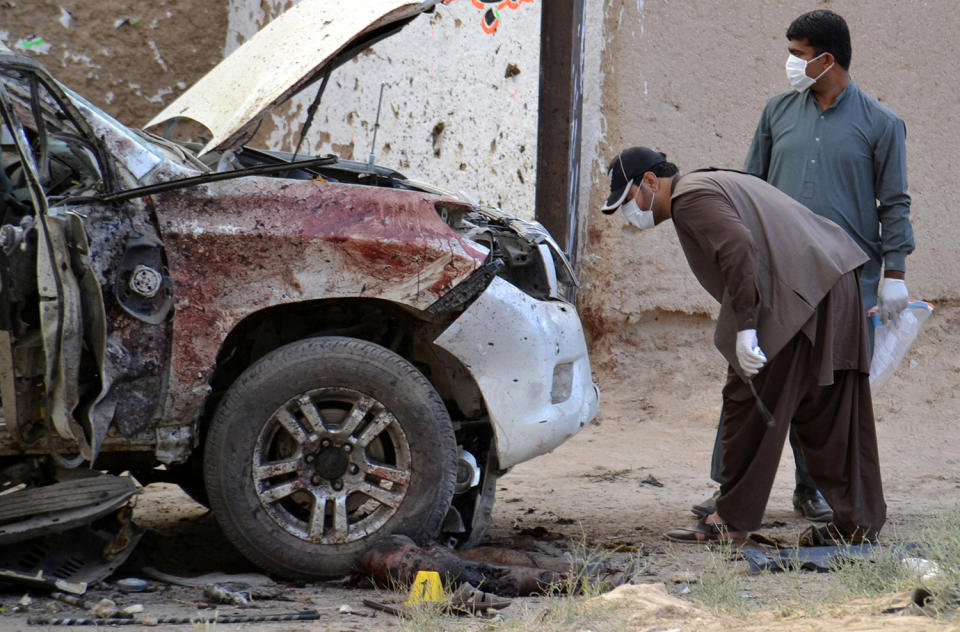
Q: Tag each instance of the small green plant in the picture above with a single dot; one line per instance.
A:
(938, 571)
(883, 572)
(929, 563)
(719, 582)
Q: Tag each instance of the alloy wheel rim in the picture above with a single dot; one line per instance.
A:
(331, 466)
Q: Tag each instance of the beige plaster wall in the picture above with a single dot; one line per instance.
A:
(691, 78)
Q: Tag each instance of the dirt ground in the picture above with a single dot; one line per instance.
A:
(623, 480)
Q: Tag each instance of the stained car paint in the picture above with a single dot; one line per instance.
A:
(257, 242)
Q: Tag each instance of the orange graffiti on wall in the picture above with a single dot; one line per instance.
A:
(490, 19)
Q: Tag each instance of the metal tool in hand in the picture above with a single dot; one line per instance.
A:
(764, 411)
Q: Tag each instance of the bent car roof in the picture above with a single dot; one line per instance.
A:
(281, 59)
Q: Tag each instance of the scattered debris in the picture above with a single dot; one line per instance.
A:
(219, 594)
(33, 44)
(308, 615)
(512, 71)
(251, 579)
(466, 600)
(103, 609)
(347, 609)
(618, 546)
(821, 559)
(923, 568)
(131, 584)
(541, 533)
(37, 511)
(71, 560)
(601, 473)
(651, 480)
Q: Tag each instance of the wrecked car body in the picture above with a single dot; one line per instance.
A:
(321, 350)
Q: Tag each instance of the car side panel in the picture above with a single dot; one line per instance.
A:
(239, 246)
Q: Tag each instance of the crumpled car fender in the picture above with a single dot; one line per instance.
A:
(529, 359)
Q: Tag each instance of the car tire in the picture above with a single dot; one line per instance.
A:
(323, 447)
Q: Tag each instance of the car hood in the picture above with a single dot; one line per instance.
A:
(284, 57)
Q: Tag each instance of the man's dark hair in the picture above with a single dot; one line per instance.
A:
(826, 32)
(665, 170)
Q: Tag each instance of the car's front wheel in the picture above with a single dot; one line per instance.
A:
(321, 448)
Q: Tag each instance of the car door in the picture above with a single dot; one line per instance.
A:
(83, 312)
(30, 233)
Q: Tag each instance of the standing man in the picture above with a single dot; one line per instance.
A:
(842, 154)
(790, 326)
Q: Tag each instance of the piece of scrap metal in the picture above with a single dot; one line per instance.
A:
(71, 560)
(38, 511)
(307, 615)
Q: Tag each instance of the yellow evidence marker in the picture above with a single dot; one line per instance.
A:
(426, 588)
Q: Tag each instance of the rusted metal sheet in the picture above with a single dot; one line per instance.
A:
(237, 247)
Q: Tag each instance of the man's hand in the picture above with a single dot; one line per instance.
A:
(893, 298)
(749, 355)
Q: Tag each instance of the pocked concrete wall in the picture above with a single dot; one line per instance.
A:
(459, 105)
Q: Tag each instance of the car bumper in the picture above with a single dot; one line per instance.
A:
(529, 359)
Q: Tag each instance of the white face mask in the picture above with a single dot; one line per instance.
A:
(797, 72)
(640, 218)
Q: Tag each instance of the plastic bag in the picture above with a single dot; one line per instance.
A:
(892, 340)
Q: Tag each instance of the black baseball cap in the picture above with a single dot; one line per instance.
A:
(625, 169)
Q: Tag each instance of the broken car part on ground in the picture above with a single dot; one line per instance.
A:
(320, 350)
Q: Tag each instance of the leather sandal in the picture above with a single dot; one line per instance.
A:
(703, 531)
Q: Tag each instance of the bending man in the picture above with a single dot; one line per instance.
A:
(790, 326)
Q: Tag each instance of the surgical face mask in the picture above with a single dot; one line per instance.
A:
(797, 72)
(640, 218)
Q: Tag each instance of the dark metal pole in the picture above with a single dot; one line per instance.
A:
(559, 122)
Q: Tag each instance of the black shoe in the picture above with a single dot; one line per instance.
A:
(810, 504)
(706, 507)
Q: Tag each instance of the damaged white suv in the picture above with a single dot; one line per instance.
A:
(321, 350)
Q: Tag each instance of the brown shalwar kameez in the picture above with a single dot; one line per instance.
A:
(835, 423)
(776, 267)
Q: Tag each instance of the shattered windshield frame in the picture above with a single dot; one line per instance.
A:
(66, 157)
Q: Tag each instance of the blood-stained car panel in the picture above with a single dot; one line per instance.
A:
(321, 350)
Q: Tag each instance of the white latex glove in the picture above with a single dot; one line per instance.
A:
(893, 298)
(749, 354)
